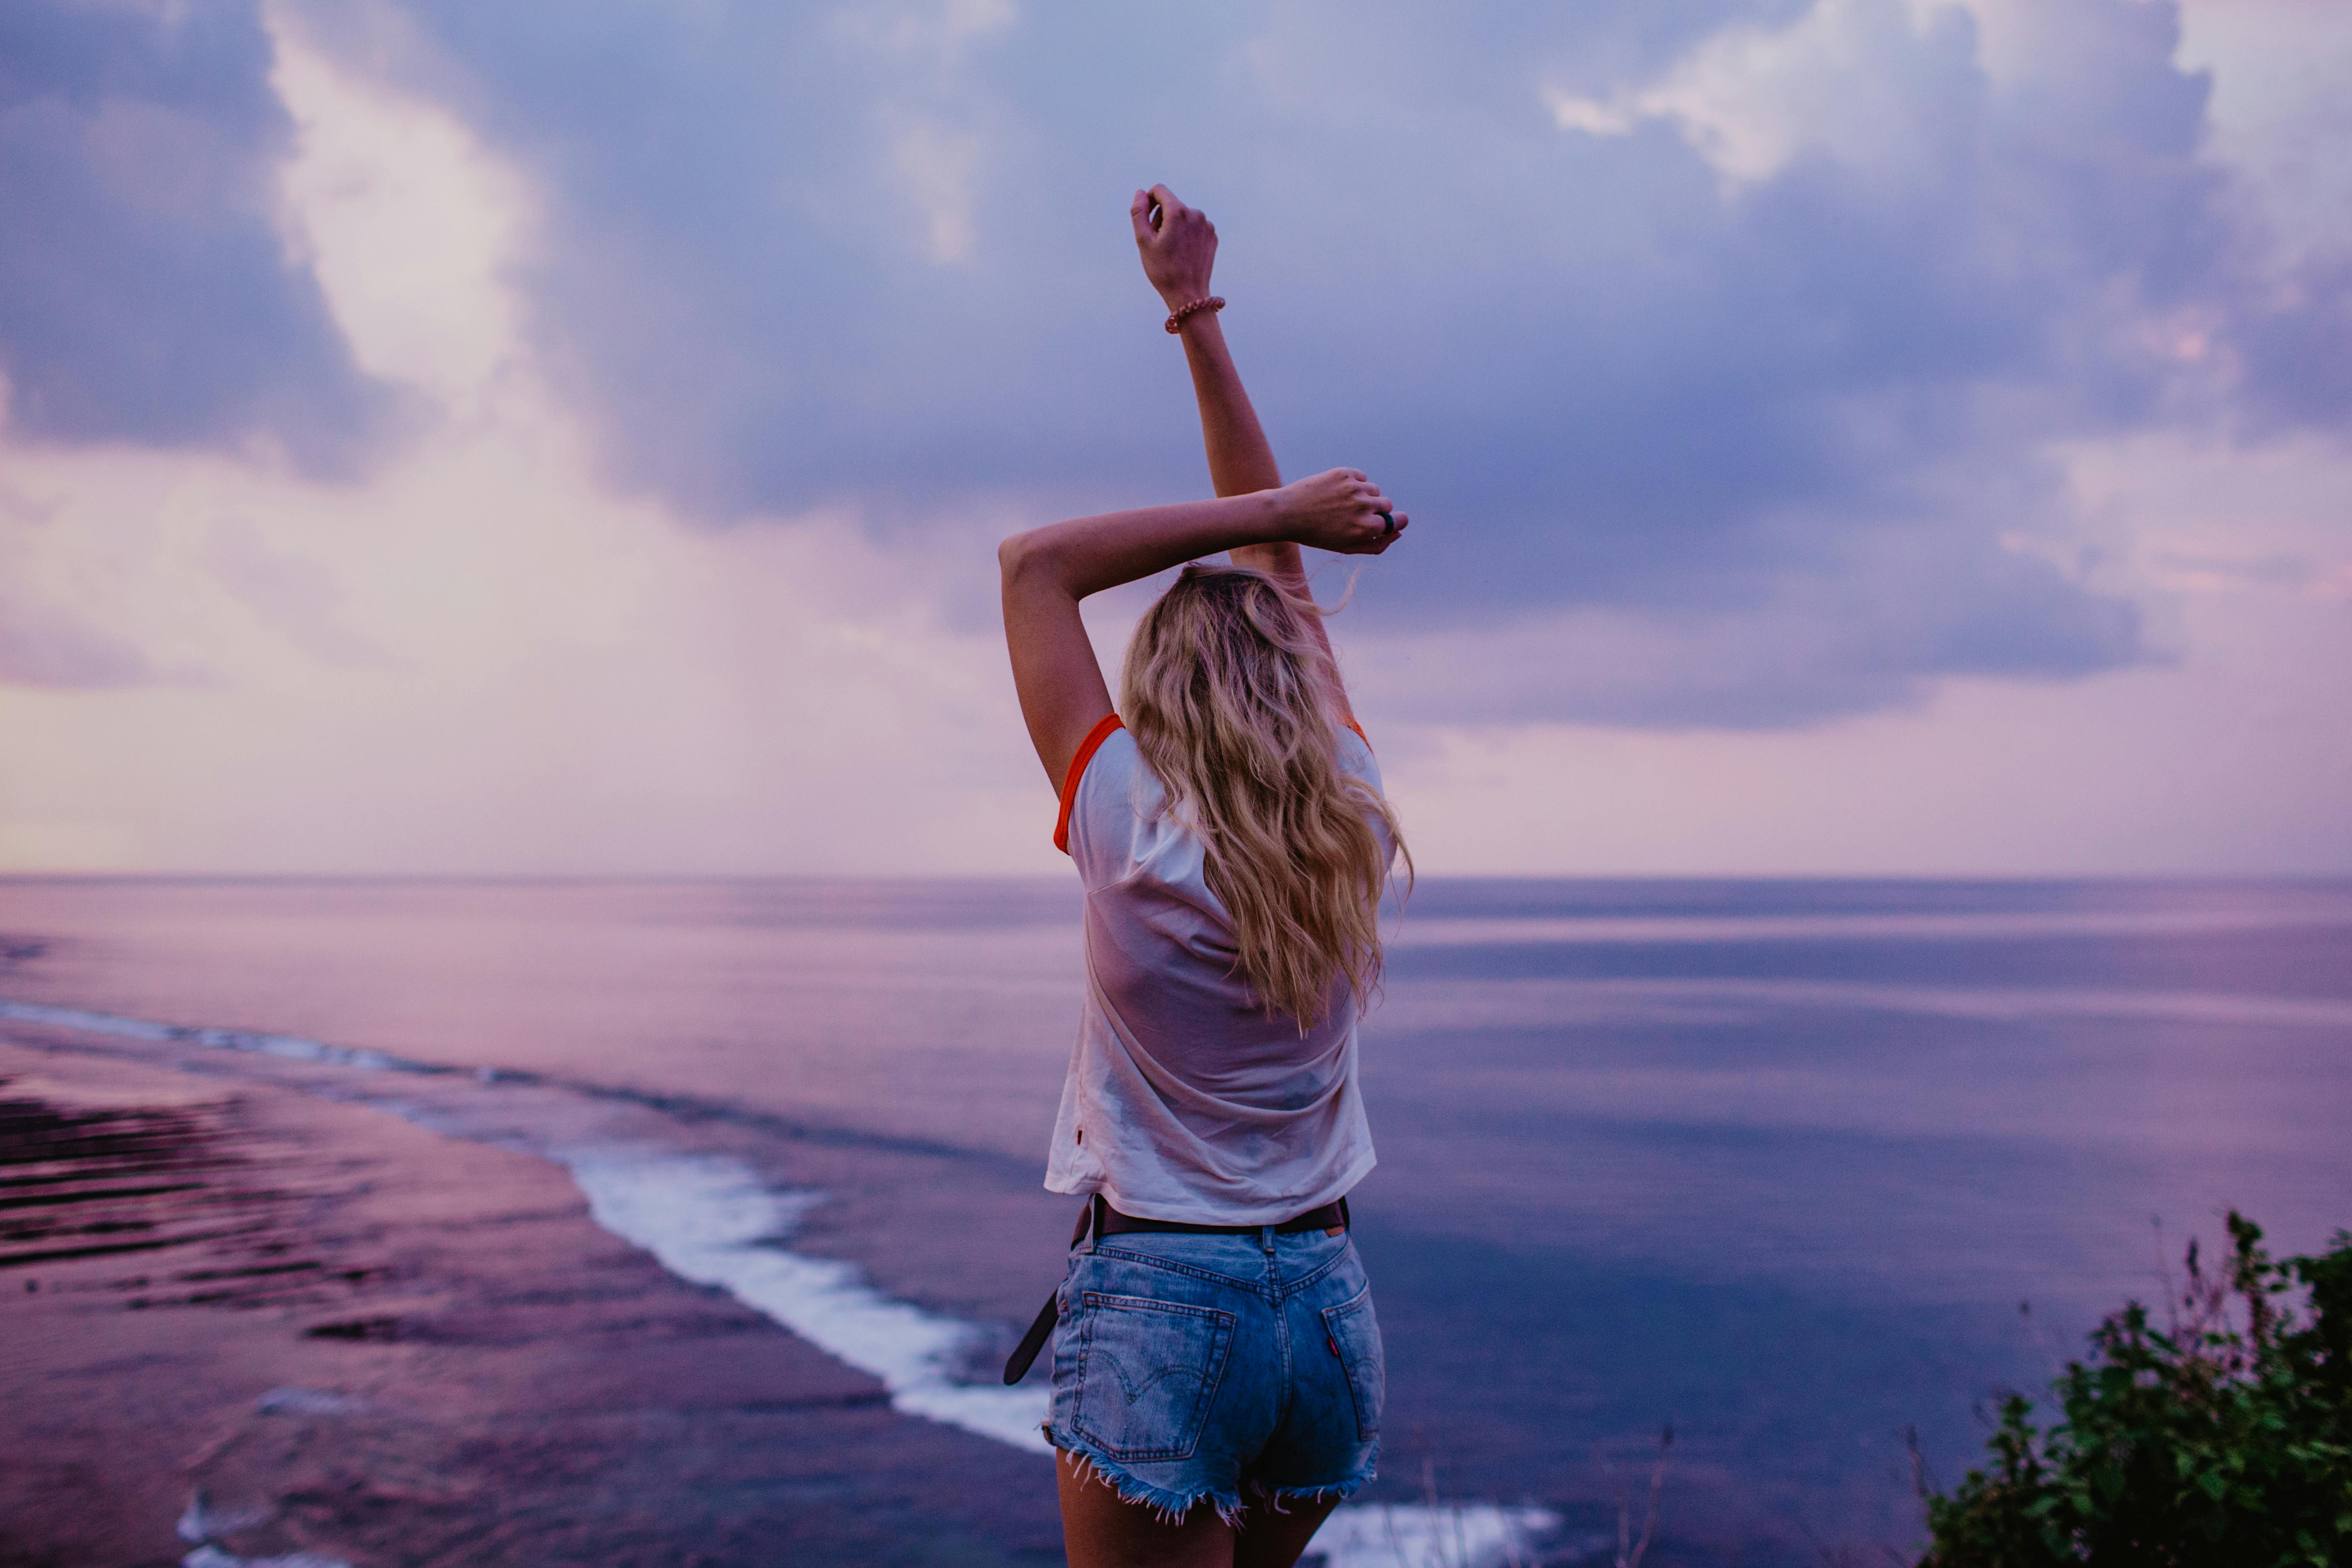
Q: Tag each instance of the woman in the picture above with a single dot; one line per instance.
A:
(1217, 1372)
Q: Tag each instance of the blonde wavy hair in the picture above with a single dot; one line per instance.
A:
(1227, 693)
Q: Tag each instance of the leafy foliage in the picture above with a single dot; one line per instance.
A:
(2224, 1440)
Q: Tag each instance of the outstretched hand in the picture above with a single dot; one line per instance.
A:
(1179, 244)
(1341, 510)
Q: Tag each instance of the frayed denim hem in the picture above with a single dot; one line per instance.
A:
(1169, 1507)
(1341, 1491)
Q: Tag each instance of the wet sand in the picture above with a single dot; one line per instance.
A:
(352, 1337)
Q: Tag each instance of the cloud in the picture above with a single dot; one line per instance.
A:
(297, 598)
(480, 659)
(1742, 328)
(45, 645)
(486, 659)
(144, 292)
(2202, 572)
(46, 639)
(1881, 635)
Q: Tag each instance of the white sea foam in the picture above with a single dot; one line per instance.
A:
(709, 1219)
(1410, 1535)
(214, 1557)
(200, 1520)
(294, 1047)
(310, 1402)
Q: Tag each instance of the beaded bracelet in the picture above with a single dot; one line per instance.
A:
(1206, 302)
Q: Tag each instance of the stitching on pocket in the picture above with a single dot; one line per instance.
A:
(1356, 1330)
(1107, 1249)
(1133, 1408)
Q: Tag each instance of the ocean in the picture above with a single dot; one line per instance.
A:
(1806, 1172)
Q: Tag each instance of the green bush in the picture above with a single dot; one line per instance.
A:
(2225, 1440)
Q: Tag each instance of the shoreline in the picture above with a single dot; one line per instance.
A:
(354, 1337)
(401, 1303)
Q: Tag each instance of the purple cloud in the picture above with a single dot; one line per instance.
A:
(1616, 358)
(144, 294)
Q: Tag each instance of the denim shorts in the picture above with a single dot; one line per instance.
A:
(1190, 1366)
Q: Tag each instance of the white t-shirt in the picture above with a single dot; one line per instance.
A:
(1185, 1100)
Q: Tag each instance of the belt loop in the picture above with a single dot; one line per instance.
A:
(1265, 1237)
(1345, 1223)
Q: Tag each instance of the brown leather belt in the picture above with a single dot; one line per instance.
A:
(1100, 1220)
(1108, 1221)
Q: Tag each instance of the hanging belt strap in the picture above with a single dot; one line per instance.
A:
(1041, 1328)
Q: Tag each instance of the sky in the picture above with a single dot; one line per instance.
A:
(1843, 436)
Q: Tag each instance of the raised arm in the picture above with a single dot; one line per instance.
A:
(1179, 246)
(1047, 570)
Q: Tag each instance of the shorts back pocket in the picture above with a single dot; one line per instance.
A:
(1356, 1335)
(1147, 1373)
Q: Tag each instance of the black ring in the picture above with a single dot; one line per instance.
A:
(1388, 521)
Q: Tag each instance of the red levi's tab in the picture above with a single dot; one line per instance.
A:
(1095, 738)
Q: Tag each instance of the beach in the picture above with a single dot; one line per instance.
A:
(313, 1327)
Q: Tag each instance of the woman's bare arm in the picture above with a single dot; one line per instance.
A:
(1178, 246)
(1047, 570)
